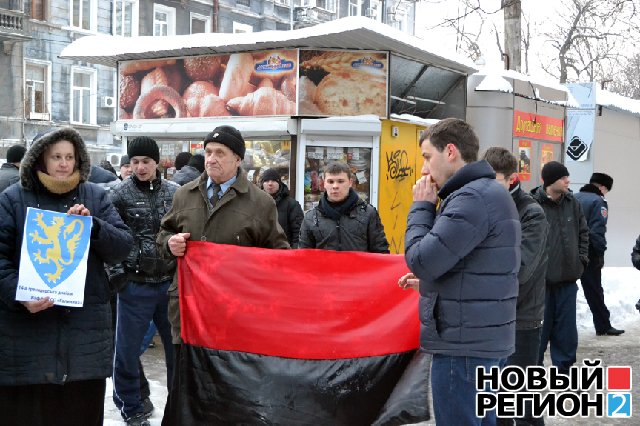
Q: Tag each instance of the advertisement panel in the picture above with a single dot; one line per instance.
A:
(340, 82)
(541, 127)
(243, 84)
(524, 160)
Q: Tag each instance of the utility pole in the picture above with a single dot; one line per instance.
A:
(513, 33)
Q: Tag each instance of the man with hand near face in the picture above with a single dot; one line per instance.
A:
(342, 221)
(466, 256)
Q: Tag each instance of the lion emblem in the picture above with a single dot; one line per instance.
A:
(60, 242)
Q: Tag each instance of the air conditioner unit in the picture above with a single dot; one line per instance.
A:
(108, 102)
(371, 12)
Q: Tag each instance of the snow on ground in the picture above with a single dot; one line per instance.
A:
(621, 292)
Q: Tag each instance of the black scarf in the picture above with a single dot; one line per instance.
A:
(335, 210)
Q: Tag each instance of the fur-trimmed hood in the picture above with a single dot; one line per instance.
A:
(30, 160)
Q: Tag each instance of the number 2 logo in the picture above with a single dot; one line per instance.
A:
(619, 404)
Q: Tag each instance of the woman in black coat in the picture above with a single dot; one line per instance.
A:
(54, 360)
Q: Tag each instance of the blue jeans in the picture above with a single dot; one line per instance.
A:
(138, 304)
(453, 388)
(559, 329)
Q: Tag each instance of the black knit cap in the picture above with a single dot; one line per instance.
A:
(602, 179)
(144, 146)
(270, 174)
(228, 136)
(15, 153)
(182, 159)
(124, 160)
(552, 171)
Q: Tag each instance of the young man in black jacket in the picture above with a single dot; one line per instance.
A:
(533, 267)
(142, 201)
(342, 221)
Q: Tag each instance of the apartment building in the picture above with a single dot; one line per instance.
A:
(41, 91)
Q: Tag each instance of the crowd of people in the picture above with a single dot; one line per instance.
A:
(496, 267)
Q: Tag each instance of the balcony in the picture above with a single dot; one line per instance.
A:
(14, 25)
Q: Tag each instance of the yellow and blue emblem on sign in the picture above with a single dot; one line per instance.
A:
(54, 256)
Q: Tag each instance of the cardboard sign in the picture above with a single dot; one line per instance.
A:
(53, 259)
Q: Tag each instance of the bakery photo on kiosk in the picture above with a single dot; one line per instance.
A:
(239, 84)
(337, 82)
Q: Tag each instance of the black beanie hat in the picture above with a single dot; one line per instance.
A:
(144, 146)
(15, 153)
(124, 160)
(197, 161)
(228, 136)
(552, 171)
(602, 179)
(182, 159)
(270, 174)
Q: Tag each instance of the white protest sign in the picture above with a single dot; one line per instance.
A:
(53, 259)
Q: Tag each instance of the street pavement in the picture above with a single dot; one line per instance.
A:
(622, 350)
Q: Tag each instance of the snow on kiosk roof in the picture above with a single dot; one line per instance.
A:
(347, 33)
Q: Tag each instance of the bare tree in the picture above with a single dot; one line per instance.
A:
(589, 37)
(468, 23)
(526, 42)
(626, 81)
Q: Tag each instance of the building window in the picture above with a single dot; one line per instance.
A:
(398, 20)
(38, 8)
(246, 3)
(83, 14)
(125, 18)
(241, 28)
(328, 5)
(164, 20)
(283, 2)
(37, 77)
(200, 23)
(354, 7)
(83, 103)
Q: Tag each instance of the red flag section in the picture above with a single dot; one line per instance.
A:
(305, 304)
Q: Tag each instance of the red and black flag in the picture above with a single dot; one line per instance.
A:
(297, 337)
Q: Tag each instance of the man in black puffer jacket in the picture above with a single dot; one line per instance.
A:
(142, 201)
(568, 253)
(342, 221)
(290, 213)
(533, 268)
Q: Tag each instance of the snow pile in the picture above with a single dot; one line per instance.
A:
(621, 292)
